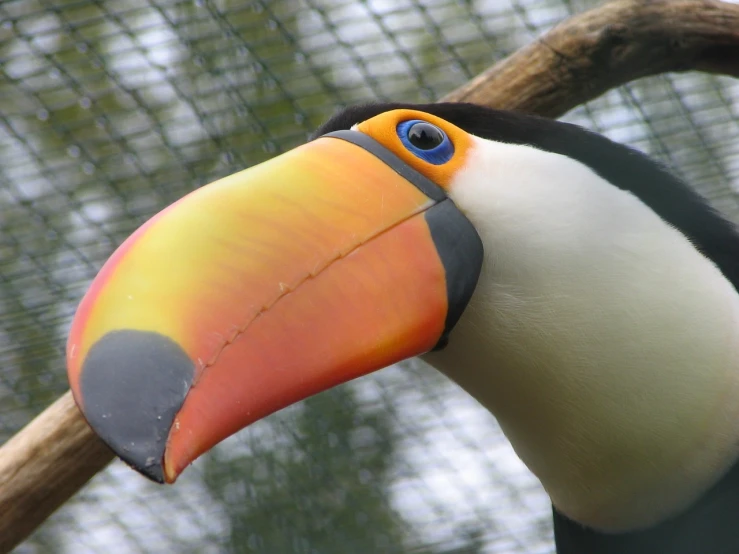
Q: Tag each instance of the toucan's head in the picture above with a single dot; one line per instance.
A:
(335, 259)
(560, 278)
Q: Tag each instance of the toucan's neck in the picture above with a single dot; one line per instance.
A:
(603, 342)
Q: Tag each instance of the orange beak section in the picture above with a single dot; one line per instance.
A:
(258, 291)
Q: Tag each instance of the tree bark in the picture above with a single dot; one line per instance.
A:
(43, 465)
(580, 59)
(593, 52)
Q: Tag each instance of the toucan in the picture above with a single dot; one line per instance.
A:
(580, 291)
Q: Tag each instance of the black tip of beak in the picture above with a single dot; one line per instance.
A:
(133, 383)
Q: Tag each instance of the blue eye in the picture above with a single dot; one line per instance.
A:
(426, 141)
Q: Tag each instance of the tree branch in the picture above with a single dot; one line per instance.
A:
(580, 59)
(593, 52)
(43, 465)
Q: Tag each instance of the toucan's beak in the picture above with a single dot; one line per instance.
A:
(264, 288)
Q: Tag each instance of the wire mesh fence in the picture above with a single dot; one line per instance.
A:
(111, 110)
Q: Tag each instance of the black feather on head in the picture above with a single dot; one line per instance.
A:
(628, 169)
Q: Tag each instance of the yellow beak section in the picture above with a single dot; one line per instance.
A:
(255, 292)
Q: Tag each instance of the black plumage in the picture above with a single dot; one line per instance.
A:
(666, 194)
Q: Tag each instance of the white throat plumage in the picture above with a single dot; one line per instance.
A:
(601, 339)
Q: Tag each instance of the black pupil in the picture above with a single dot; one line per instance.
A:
(425, 136)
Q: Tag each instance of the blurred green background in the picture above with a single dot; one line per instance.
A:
(110, 110)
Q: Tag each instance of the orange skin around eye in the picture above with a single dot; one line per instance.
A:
(383, 128)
